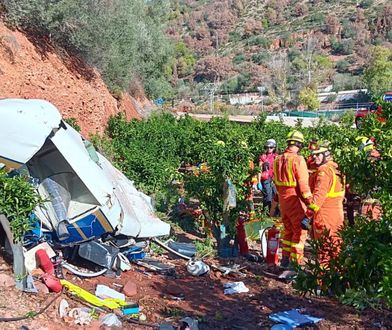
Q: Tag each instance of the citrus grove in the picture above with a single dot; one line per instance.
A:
(151, 152)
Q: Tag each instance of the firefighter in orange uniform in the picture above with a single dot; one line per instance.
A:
(292, 182)
(326, 206)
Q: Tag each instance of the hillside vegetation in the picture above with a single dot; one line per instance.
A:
(281, 45)
(190, 49)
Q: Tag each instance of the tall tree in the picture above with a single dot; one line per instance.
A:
(378, 74)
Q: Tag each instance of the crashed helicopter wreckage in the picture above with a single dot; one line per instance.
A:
(91, 209)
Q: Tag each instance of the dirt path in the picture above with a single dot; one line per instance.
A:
(201, 297)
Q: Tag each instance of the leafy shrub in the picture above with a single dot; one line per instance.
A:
(345, 47)
(261, 58)
(239, 58)
(73, 122)
(317, 17)
(234, 36)
(17, 200)
(265, 23)
(389, 36)
(258, 41)
(348, 29)
(360, 275)
(366, 3)
(346, 82)
(342, 66)
(122, 39)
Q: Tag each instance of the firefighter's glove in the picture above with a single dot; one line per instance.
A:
(306, 223)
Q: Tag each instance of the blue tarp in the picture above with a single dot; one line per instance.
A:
(294, 318)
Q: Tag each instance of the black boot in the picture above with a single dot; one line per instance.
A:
(285, 262)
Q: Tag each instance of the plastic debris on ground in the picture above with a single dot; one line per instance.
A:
(31, 260)
(288, 275)
(166, 326)
(63, 308)
(135, 253)
(159, 267)
(130, 309)
(294, 318)
(187, 249)
(30, 287)
(235, 287)
(197, 267)
(92, 299)
(226, 270)
(189, 323)
(81, 316)
(111, 320)
(103, 291)
(281, 326)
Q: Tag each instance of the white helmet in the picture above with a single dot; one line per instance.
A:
(197, 267)
(270, 143)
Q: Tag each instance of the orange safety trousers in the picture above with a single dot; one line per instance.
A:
(291, 179)
(292, 210)
(328, 193)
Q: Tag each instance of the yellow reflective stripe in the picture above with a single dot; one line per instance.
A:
(291, 182)
(296, 256)
(298, 245)
(336, 194)
(307, 195)
(285, 184)
(286, 242)
(290, 165)
(288, 249)
(314, 207)
(332, 193)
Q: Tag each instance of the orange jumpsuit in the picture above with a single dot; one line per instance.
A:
(328, 188)
(292, 182)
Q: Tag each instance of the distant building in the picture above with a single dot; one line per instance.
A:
(341, 96)
(245, 98)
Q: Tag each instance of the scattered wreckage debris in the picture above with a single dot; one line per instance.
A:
(91, 211)
(294, 318)
(226, 270)
(93, 220)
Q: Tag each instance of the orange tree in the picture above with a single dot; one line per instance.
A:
(361, 274)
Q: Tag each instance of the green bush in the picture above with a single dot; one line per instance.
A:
(389, 36)
(17, 200)
(239, 58)
(123, 39)
(365, 4)
(342, 66)
(258, 41)
(234, 36)
(345, 47)
(348, 29)
(361, 274)
(261, 58)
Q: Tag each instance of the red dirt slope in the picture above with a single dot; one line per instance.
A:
(31, 69)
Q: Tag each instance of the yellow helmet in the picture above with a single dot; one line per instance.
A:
(295, 136)
(319, 150)
(323, 149)
(365, 143)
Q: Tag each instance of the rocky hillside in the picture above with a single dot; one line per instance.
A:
(242, 44)
(31, 68)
